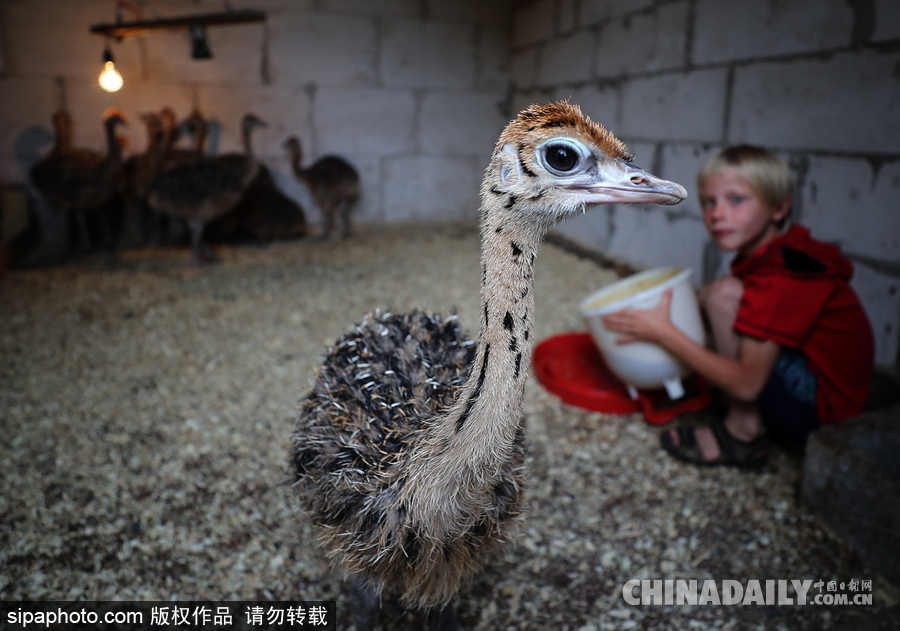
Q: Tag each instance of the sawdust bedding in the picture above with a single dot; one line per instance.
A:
(147, 408)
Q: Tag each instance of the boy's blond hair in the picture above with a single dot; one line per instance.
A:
(766, 173)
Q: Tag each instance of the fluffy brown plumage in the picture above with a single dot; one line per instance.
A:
(81, 181)
(203, 189)
(408, 449)
(333, 183)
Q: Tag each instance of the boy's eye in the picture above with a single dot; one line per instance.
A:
(736, 199)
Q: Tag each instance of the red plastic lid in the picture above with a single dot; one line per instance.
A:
(570, 366)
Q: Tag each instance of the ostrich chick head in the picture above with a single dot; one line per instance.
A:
(553, 162)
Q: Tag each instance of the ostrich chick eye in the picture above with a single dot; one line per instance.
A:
(561, 157)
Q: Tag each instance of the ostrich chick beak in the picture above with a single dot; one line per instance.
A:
(618, 181)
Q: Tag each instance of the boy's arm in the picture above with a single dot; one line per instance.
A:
(742, 378)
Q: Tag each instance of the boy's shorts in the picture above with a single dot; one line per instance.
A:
(788, 400)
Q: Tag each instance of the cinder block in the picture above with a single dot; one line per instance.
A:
(237, 56)
(600, 103)
(887, 20)
(450, 54)
(653, 236)
(645, 42)
(851, 480)
(417, 53)
(838, 188)
(595, 12)
(325, 49)
(409, 8)
(728, 31)
(492, 57)
(475, 11)
(846, 102)
(401, 62)
(566, 60)
(523, 68)
(430, 187)
(534, 22)
(351, 121)
(880, 295)
(667, 107)
(285, 109)
(680, 162)
(461, 123)
(566, 17)
(593, 229)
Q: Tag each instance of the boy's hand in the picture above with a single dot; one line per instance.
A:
(641, 325)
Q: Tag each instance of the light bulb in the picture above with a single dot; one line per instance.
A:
(110, 79)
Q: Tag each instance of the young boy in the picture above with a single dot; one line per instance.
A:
(794, 348)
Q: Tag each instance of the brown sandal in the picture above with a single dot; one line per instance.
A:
(734, 452)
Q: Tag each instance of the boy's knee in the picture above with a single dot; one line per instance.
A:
(723, 295)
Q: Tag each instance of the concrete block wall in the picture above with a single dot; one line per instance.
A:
(815, 80)
(412, 92)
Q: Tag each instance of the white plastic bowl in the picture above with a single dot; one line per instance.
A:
(642, 364)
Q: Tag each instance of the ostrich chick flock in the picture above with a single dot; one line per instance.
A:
(168, 194)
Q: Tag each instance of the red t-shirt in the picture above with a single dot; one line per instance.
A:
(797, 294)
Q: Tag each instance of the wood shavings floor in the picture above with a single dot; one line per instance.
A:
(147, 410)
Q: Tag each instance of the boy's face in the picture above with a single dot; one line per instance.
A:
(735, 216)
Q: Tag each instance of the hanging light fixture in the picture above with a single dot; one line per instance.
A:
(110, 79)
(199, 45)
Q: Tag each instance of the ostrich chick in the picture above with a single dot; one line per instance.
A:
(201, 190)
(333, 183)
(407, 452)
(82, 182)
